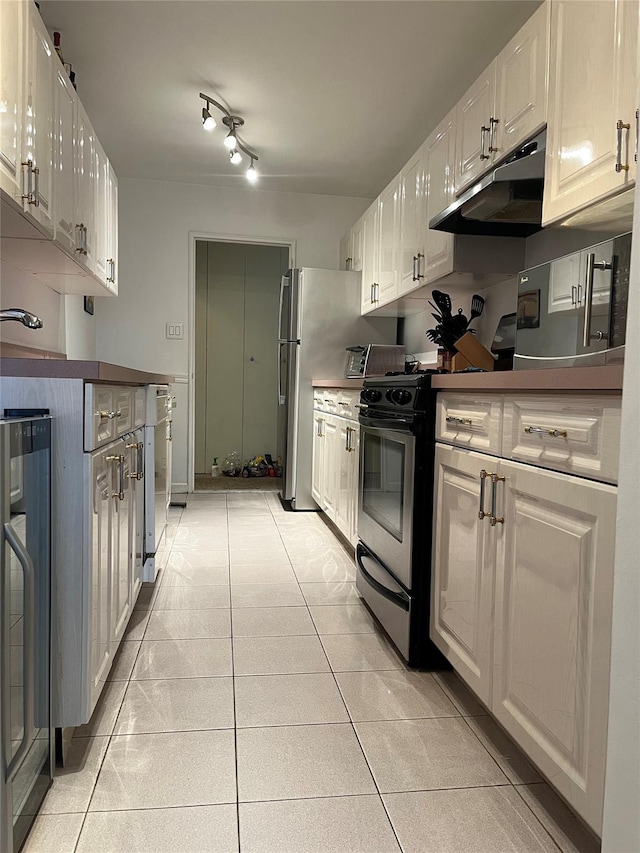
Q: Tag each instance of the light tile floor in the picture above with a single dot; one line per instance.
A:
(256, 706)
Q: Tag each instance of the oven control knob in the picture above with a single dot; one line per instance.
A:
(371, 395)
(400, 396)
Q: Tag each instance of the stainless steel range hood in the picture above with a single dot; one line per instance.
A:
(507, 202)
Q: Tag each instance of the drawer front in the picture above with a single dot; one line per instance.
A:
(576, 434)
(318, 399)
(139, 406)
(470, 420)
(99, 416)
(123, 402)
(329, 401)
(347, 401)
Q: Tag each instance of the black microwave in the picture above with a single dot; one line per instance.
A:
(573, 311)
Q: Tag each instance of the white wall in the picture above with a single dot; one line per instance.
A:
(155, 219)
(621, 829)
(19, 290)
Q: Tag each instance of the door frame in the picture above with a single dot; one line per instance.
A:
(194, 236)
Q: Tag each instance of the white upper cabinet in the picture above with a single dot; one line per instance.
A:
(112, 232)
(64, 132)
(475, 129)
(11, 49)
(592, 87)
(355, 249)
(413, 223)
(369, 258)
(440, 156)
(522, 84)
(101, 247)
(389, 228)
(344, 259)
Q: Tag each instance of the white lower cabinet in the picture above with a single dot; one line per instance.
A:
(521, 606)
(100, 548)
(334, 486)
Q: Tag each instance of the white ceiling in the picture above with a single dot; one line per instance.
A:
(336, 96)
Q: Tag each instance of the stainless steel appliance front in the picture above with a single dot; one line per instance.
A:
(573, 311)
(385, 500)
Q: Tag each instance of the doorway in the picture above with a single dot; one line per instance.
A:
(237, 288)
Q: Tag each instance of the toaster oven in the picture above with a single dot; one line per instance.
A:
(373, 360)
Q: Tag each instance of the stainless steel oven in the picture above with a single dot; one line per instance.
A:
(397, 446)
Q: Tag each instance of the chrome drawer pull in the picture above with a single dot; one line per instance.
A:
(120, 460)
(554, 433)
(493, 520)
(450, 419)
(105, 415)
(620, 126)
(483, 476)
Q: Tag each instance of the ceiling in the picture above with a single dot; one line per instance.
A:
(336, 96)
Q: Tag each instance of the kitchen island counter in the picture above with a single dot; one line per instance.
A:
(93, 371)
(559, 379)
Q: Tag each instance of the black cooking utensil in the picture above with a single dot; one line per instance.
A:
(443, 301)
(477, 307)
(461, 321)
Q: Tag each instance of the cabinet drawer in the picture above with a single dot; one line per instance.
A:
(347, 404)
(329, 401)
(470, 420)
(577, 435)
(100, 416)
(123, 402)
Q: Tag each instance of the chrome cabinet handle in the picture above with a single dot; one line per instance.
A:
(120, 460)
(111, 269)
(86, 240)
(483, 129)
(361, 406)
(483, 476)
(105, 415)
(493, 519)
(574, 294)
(346, 440)
(493, 122)
(592, 265)
(371, 293)
(28, 166)
(319, 423)
(136, 475)
(79, 247)
(36, 189)
(413, 269)
(347, 263)
(620, 126)
(554, 433)
(418, 257)
(451, 419)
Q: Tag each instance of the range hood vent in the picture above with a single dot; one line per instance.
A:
(507, 202)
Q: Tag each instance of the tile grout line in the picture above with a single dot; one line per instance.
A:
(233, 686)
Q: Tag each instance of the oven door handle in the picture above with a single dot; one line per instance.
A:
(395, 424)
(395, 597)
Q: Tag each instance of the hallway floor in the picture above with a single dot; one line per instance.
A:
(254, 698)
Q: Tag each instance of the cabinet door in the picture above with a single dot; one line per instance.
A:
(592, 87)
(101, 244)
(356, 247)
(522, 84)
(37, 147)
(389, 233)
(553, 623)
(369, 257)
(354, 479)
(345, 259)
(463, 566)
(475, 129)
(85, 187)
(440, 155)
(112, 231)
(11, 70)
(413, 227)
(343, 477)
(120, 555)
(64, 129)
(318, 458)
(331, 462)
(100, 650)
(135, 449)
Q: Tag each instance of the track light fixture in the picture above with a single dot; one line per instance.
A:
(231, 140)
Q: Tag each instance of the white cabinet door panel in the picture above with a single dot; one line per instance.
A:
(413, 227)
(462, 568)
(63, 162)
(521, 84)
(370, 238)
(591, 87)
(355, 249)
(318, 458)
(441, 157)
(553, 623)
(474, 131)
(100, 650)
(388, 240)
(11, 94)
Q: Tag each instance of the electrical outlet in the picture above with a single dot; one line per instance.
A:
(175, 331)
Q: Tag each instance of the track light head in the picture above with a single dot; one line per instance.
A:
(252, 174)
(208, 121)
(231, 140)
(235, 157)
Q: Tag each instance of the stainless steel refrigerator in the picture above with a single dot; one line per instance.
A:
(25, 625)
(319, 319)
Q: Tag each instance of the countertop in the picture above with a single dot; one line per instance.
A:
(351, 384)
(607, 378)
(95, 371)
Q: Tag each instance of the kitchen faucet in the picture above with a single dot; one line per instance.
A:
(26, 317)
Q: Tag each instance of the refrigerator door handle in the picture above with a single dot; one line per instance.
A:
(28, 657)
(282, 398)
(284, 282)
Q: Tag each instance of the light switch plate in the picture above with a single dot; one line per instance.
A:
(175, 331)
